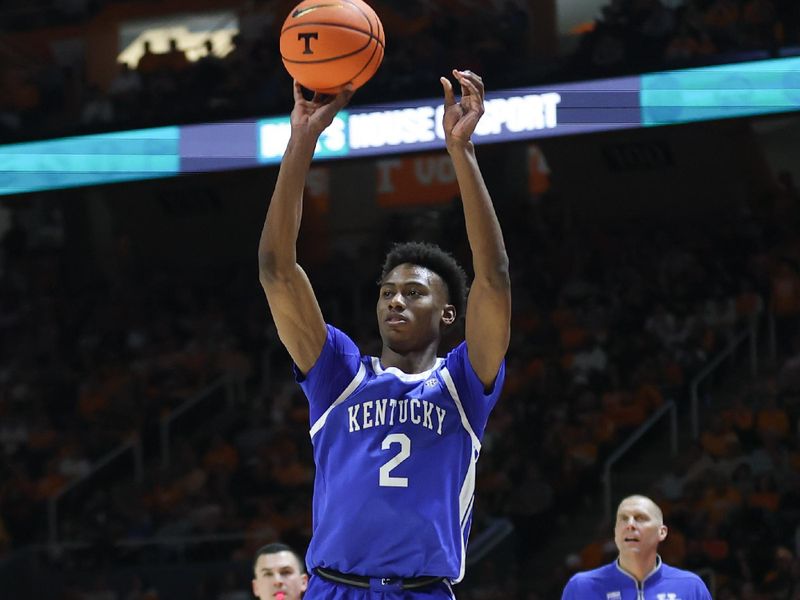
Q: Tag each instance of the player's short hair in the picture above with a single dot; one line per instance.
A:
(431, 257)
(276, 547)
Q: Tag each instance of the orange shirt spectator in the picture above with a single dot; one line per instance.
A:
(562, 317)
(221, 457)
(573, 337)
(50, 483)
(673, 549)
(720, 500)
(772, 420)
(766, 495)
(648, 396)
(621, 407)
(718, 439)
(785, 291)
(592, 554)
(739, 417)
(716, 549)
(603, 428)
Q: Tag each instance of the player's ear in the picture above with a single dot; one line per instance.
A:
(662, 533)
(448, 314)
(304, 584)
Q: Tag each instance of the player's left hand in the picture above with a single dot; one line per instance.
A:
(461, 118)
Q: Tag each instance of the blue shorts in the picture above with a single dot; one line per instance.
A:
(322, 589)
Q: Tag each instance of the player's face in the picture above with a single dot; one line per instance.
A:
(639, 527)
(412, 306)
(279, 577)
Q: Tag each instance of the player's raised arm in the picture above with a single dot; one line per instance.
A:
(291, 299)
(489, 303)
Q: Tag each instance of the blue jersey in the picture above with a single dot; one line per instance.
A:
(611, 582)
(395, 456)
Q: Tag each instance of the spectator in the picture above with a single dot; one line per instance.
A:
(279, 570)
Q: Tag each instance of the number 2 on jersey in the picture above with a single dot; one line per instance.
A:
(387, 480)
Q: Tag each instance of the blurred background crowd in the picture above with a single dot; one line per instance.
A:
(175, 379)
(49, 89)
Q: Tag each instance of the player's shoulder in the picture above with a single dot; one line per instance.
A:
(341, 342)
(456, 358)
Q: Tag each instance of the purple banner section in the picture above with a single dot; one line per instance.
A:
(218, 147)
(517, 114)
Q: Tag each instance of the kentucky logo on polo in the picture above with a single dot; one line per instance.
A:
(613, 596)
(668, 596)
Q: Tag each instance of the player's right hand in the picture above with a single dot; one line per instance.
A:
(311, 117)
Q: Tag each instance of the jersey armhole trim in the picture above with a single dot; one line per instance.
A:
(362, 371)
(451, 387)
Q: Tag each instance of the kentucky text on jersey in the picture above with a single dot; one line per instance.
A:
(382, 412)
(395, 457)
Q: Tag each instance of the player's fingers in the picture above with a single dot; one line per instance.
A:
(475, 79)
(449, 96)
(472, 75)
(344, 96)
(297, 91)
(471, 90)
(460, 78)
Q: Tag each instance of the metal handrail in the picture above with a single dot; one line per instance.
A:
(488, 539)
(134, 446)
(772, 336)
(750, 333)
(232, 392)
(667, 407)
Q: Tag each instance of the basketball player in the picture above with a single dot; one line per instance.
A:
(638, 573)
(395, 437)
(278, 573)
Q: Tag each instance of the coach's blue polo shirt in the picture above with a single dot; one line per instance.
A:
(611, 582)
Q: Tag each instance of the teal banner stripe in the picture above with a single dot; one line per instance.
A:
(30, 182)
(740, 90)
(90, 160)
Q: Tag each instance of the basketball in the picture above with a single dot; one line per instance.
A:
(325, 45)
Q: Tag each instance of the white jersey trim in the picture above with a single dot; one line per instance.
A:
(467, 495)
(451, 387)
(362, 371)
(404, 377)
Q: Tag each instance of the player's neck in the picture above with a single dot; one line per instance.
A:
(416, 361)
(639, 566)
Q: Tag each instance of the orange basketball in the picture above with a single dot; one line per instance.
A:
(326, 44)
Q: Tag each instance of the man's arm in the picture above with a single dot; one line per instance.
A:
(488, 315)
(291, 299)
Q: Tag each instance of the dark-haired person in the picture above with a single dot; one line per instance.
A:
(278, 573)
(395, 437)
(638, 573)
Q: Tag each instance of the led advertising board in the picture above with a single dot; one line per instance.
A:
(725, 91)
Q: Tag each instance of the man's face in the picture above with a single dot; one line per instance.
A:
(412, 306)
(639, 527)
(279, 577)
